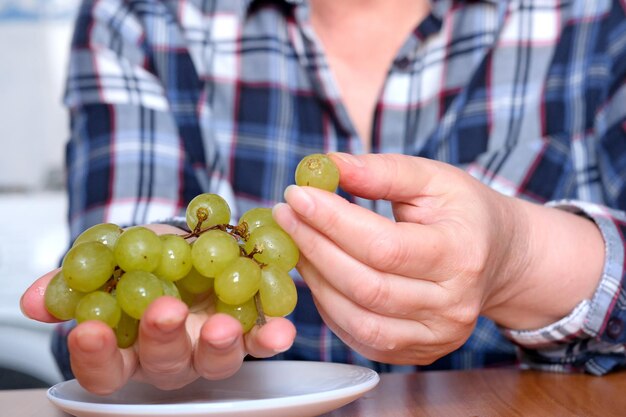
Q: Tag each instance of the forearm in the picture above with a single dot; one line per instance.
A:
(557, 261)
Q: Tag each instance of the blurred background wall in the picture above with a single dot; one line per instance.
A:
(34, 47)
(34, 37)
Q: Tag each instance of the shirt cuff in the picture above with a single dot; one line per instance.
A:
(589, 318)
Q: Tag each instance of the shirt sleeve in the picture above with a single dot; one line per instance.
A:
(136, 152)
(592, 338)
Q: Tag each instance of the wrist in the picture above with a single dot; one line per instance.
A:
(554, 261)
(514, 260)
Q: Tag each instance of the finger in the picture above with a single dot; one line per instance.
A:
(220, 351)
(401, 248)
(362, 327)
(393, 177)
(165, 348)
(274, 337)
(387, 294)
(435, 332)
(416, 354)
(98, 365)
(32, 301)
(427, 211)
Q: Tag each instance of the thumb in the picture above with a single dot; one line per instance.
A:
(32, 301)
(393, 177)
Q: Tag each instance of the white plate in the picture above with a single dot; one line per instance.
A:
(260, 388)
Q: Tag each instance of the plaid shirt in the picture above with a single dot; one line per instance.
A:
(173, 98)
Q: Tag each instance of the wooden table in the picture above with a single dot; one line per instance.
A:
(491, 392)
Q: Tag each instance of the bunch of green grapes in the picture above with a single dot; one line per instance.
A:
(112, 274)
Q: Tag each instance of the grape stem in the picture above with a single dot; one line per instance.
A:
(237, 231)
(256, 249)
(111, 283)
(260, 320)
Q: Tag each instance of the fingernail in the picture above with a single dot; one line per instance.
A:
(224, 343)
(89, 341)
(281, 350)
(300, 200)
(348, 159)
(168, 324)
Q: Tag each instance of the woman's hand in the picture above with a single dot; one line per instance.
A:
(174, 346)
(410, 291)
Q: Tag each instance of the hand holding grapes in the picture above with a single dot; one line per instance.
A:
(112, 284)
(410, 291)
(174, 346)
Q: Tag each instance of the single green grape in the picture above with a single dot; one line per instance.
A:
(210, 208)
(275, 247)
(138, 249)
(87, 266)
(257, 217)
(170, 288)
(319, 171)
(126, 331)
(239, 281)
(61, 300)
(98, 305)
(246, 312)
(213, 251)
(175, 260)
(195, 283)
(105, 233)
(136, 290)
(277, 291)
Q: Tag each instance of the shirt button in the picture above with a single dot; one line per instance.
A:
(403, 63)
(614, 328)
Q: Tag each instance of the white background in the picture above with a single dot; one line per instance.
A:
(34, 46)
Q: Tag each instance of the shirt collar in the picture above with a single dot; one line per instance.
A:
(247, 3)
(436, 11)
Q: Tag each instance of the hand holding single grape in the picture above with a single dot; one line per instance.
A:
(410, 291)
